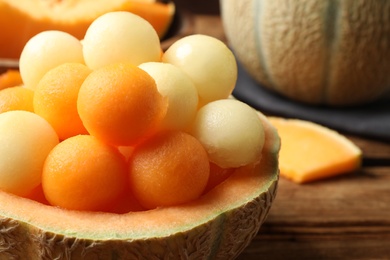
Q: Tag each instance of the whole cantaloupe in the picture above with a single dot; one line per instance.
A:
(319, 52)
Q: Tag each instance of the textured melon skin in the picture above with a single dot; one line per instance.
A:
(318, 52)
(222, 234)
(207, 241)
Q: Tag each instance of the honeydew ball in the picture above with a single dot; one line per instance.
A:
(179, 90)
(120, 36)
(45, 51)
(25, 141)
(231, 132)
(209, 63)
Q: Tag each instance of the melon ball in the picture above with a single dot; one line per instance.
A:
(231, 132)
(118, 37)
(209, 63)
(45, 51)
(169, 168)
(180, 91)
(25, 141)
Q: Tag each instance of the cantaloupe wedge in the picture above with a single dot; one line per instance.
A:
(22, 19)
(218, 225)
(313, 152)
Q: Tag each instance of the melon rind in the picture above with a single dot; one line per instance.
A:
(332, 53)
(219, 225)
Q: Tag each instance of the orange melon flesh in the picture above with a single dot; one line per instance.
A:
(312, 152)
(22, 19)
(10, 78)
(219, 224)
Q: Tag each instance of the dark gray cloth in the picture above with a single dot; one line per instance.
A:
(370, 121)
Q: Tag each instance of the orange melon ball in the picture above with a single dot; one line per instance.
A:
(120, 37)
(25, 141)
(168, 169)
(125, 204)
(56, 95)
(16, 98)
(83, 173)
(37, 195)
(120, 104)
(45, 51)
(217, 176)
(10, 78)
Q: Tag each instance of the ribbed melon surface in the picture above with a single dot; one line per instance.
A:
(319, 52)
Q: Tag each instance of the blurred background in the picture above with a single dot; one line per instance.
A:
(197, 6)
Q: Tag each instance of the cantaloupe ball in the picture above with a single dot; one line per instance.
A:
(231, 132)
(120, 104)
(168, 169)
(55, 98)
(45, 51)
(209, 63)
(25, 141)
(16, 98)
(84, 173)
(180, 91)
(120, 37)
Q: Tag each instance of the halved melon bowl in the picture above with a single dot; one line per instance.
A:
(218, 225)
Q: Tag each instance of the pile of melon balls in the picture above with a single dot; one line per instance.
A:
(119, 123)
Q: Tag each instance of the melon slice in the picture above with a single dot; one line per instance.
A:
(219, 225)
(22, 19)
(313, 152)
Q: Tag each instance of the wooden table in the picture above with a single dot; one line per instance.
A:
(346, 217)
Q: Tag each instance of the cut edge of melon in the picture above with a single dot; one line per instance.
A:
(70, 17)
(244, 186)
(62, 11)
(345, 167)
(348, 165)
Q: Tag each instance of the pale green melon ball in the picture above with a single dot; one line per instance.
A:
(120, 37)
(231, 132)
(180, 91)
(209, 63)
(45, 51)
(25, 141)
